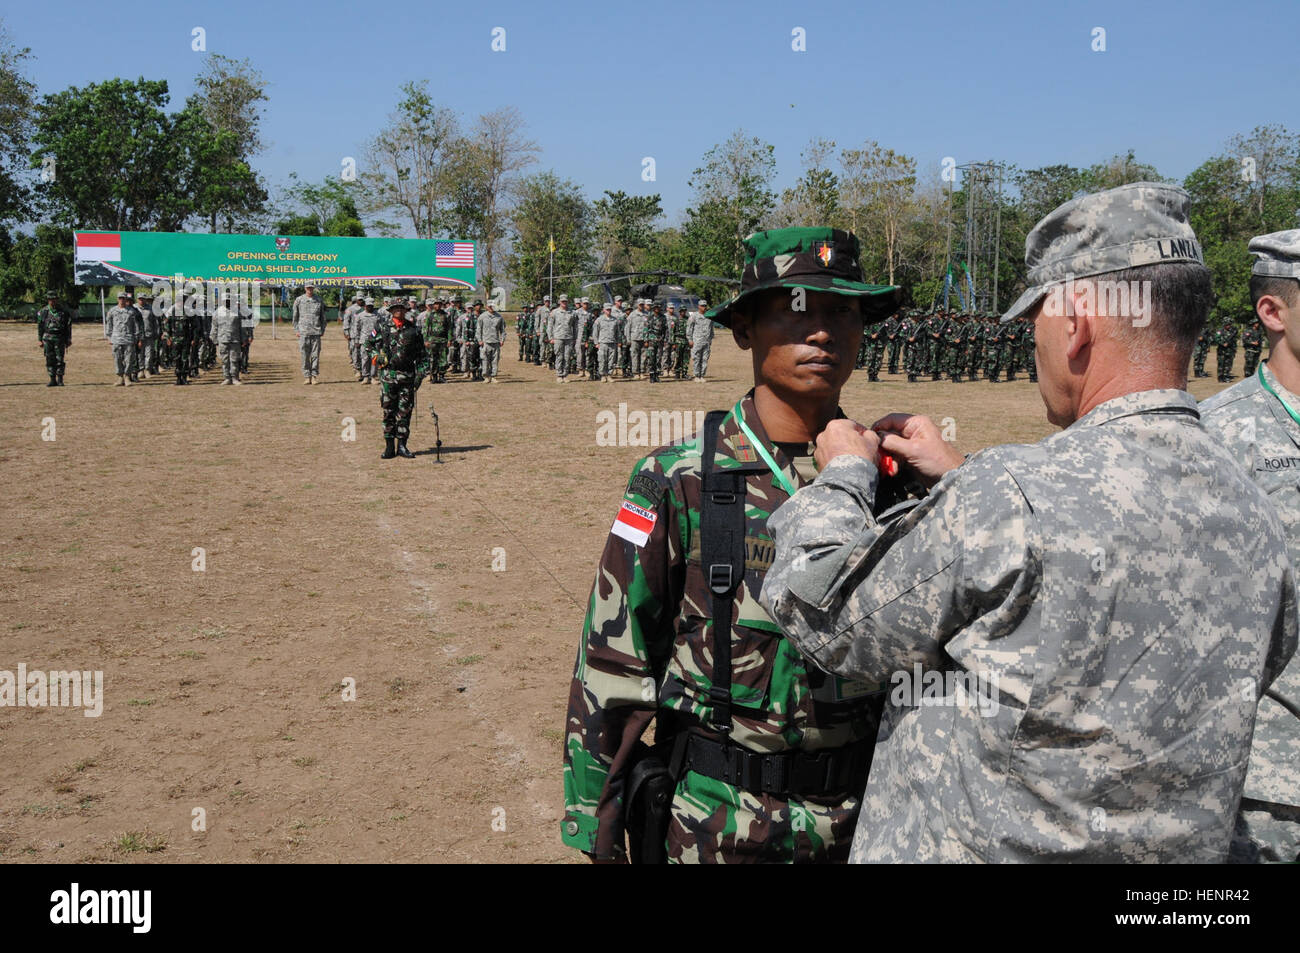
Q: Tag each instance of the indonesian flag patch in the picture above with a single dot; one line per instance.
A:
(634, 523)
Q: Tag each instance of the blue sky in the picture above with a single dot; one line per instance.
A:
(603, 85)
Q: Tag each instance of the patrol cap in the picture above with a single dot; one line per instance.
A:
(1143, 223)
(817, 259)
(606, 307)
(564, 297)
(358, 298)
(618, 298)
(370, 301)
(671, 306)
(124, 294)
(398, 305)
(585, 300)
(1277, 254)
(310, 284)
(51, 296)
(703, 303)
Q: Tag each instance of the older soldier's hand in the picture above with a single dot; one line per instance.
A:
(845, 436)
(916, 441)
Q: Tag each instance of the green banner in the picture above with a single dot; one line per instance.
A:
(132, 258)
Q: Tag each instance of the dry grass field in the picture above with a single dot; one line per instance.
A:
(223, 689)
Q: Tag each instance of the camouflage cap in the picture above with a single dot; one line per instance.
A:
(817, 259)
(398, 305)
(124, 293)
(51, 295)
(607, 307)
(1277, 254)
(370, 301)
(1144, 223)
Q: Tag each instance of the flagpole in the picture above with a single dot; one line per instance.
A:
(552, 240)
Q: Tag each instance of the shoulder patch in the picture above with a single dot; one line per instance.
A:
(743, 449)
(646, 487)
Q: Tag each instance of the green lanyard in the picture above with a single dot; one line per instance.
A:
(1285, 405)
(781, 478)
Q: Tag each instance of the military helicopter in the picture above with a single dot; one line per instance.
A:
(661, 292)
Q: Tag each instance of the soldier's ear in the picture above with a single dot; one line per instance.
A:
(740, 330)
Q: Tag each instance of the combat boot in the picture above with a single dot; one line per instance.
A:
(60, 378)
(53, 381)
(403, 452)
(388, 453)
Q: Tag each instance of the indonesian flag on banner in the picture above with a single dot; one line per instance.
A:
(98, 246)
(634, 523)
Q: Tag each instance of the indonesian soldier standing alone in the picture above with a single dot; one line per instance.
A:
(309, 325)
(54, 331)
(764, 754)
(1076, 632)
(1258, 421)
(121, 327)
(397, 350)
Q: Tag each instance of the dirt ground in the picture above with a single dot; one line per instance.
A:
(224, 688)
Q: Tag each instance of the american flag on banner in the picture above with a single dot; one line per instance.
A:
(453, 254)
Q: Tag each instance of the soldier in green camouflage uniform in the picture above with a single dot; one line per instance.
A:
(765, 759)
(975, 346)
(1252, 343)
(893, 341)
(1027, 359)
(912, 345)
(954, 340)
(436, 329)
(656, 329)
(178, 329)
(397, 350)
(1226, 341)
(1011, 348)
(681, 345)
(1201, 352)
(874, 341)
(54, 331)
(993, 352)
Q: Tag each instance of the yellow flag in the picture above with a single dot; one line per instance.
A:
(552, 244)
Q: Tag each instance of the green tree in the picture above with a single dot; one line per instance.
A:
(327, 208)
(223, 120)
(118, 165)
(409, 160)
(549, 207)
(624, 229)
(733, 197)
(815, 198)
(17, 105)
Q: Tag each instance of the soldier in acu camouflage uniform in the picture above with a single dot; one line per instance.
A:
(489, 335)
(54, 331)
(764, 751)
(561, 331)
(348, 322)
(1114, 586)
(1258, 421)
(605, 332)
(396, 349)
(121, 326)
(700, 330)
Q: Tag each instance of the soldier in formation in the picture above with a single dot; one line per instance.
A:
(1225, 341)
(700, 331)
(309, 325)
(1252, 344)
(605, 332)
(226, 333)
(121, 328)
(490, 334)
(562, 331)
(54, 331)
(436, 330)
